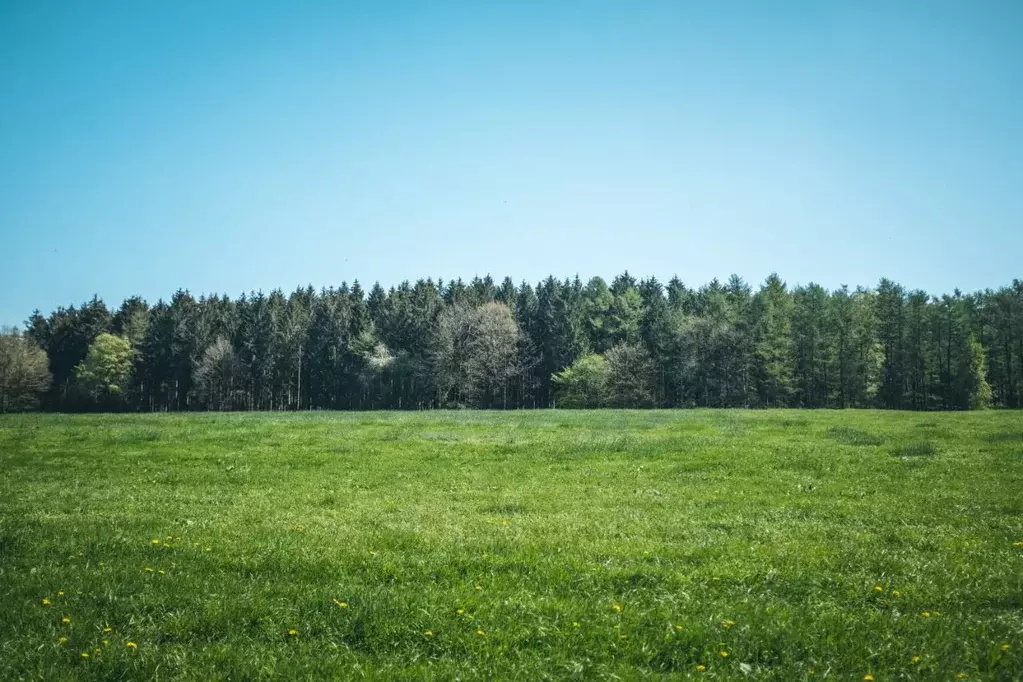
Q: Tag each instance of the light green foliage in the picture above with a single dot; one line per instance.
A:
(585, 383)
(975, 376)
(107, 366)
(24, 374)
(800, 543)
(630, 376)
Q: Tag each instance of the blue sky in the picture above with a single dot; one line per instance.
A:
(228, 146)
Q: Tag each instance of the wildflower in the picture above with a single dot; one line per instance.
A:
(700, 668)
(108, 629)
(341, 604)
(60, 593)
(292, 633)
(101, 563)
(724, 654)
(46, 602)
(160, 571)
(623, 637)
(428, 633)
(85, 654)
(480, 633)
(617, 607)
(61, 640)
(132, 645)
(98, 650)
(575, 624)
(106, 642)
(678, 628)
(155, 541)
(895, 593)
(170, 537)
(925, 614)
(961, 676)
(916, 659)
(479, 589)
(878, 588)
(868, 678)
(1018, 544)
(1005, 647)
(65, 620)
(207, 549)
(727, 624)
(147, 569)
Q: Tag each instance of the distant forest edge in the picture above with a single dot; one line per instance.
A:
(501, 346)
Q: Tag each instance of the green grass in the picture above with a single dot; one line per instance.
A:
(806, 545)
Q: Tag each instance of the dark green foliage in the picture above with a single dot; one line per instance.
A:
(849, 435)
(721, 345)
(919, 448)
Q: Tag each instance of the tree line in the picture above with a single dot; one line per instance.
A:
(560, 343)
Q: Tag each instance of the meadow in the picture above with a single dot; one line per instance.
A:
(769, 545)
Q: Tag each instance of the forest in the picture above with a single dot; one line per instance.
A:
(561, 343)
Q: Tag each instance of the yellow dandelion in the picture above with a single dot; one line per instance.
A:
(868, 678)
(101, 563)
(106, 642)
(46, 602)
(65, 620)
(878, 588)
(480, 633)
(961, 676)
(132, 645)
(623, 636)
(617, 607)
(207, 549)
(147, 569)
(160, 571)
(1018, 544)
(460, 611)
(724, 654)
(292, 633)
(60, 593)
(575, 624)
(155, 541)
(925, 614)
(341, 604)
(98, 650)
(727, 624)
(61, 640)
(1005, 647)
(85, 654)
(916, 659)
(479, 589)
(170, 537)
(427, 633)
(701, 668)
(108, 629)
(678, 628)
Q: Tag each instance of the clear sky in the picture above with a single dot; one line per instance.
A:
(227, 146)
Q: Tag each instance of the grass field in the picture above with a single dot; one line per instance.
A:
(693, 544)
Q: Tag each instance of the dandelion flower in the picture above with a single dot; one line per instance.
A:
(916, 659)
(575, 624)
(480, 633)
(207, 549)
(106, 642)
(132, 645)
(1018, 544)
(623, 637)
(868, 678)
(925, 614)
(156, 542)
(727, 624)
(878, 588)
(147, 569)
(61, 640)
(427, 633)
(678, 628)
(700, 668)
(1005, 647)
(46, 602)
(65, 620)
(292, 633)
(160, 571)
(724, 654)
(108, 629)
(85, 654)
(341, 604)
(617, 607)
(961, 676)
(60, 593)
(460, 611)
(479, 589)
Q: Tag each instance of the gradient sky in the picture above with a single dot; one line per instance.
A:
(228, 146)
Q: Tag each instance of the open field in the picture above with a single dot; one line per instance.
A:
(696, 544)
